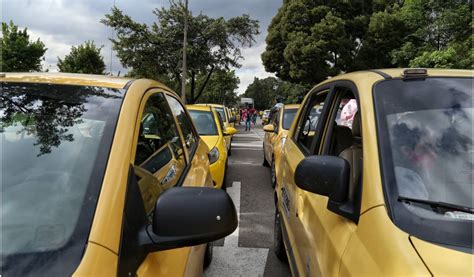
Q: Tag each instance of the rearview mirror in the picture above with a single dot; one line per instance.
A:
(188, 216)
(230, 131)
(269, 128)
(330, 176)
(324, 175)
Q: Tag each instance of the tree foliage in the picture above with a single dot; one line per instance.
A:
(221, 88)
(264, 92)
(19, 54)
(84, 58)
(309, 40)
(155, 51)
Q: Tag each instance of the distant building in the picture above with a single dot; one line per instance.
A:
(246, 101)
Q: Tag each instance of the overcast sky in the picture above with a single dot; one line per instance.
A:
(61, 24)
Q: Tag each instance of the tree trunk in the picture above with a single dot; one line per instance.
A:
(203, 86)
(193, 80)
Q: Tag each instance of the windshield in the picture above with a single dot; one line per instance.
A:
(55, 141)
(288, 117)
(204, 122)
(221, 112)
(425, 132)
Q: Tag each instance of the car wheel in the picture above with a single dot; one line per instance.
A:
(273, 174)
(208, 255)
(229, 153)
(278, 245)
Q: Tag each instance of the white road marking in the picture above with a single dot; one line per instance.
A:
(232, 260)
(253, 144)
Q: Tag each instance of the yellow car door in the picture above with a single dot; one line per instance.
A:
(161, 156)
(299, 143)
(323, 235)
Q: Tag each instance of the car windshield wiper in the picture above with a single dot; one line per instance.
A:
(439, 207)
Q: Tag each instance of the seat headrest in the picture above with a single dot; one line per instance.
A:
(356, 130)
(344, 138)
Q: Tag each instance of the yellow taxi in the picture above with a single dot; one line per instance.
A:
(265, 117)
(275, 136)
(104, 176)
(210, 128)
(377, 176)
(228, 122)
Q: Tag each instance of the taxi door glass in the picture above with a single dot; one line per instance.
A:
(159, 159)
(184, 121)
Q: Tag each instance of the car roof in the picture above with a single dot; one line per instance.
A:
(75, 79)
(198, 107)
(292, 106)
(398, 73)
(212, 105)
(66, 78)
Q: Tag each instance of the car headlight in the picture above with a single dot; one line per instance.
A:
(213, 155)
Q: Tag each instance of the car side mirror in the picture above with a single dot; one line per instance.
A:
(188, 216)
(230, 131)
(232, 119)
(328, 176)
(269, 128)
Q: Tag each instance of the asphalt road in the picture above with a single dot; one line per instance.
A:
(249, 250)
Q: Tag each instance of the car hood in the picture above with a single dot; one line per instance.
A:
(211, 141)
(443, 261)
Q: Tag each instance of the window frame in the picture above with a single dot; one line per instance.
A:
(315, 92)
(325, 145)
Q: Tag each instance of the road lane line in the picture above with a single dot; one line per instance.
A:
(232, 260)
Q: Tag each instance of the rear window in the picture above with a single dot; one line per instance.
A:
(204, 122)
(55, 142)
(288, 117)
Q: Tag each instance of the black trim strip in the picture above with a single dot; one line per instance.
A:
(288, 247)
(381, 73)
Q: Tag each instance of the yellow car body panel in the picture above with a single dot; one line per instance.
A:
(101, 255)
(443, 261)
(272, 141)
(382, 248)
(218, 168)
(225, 119)
(322, 243)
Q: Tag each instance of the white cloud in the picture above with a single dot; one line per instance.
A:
(251, 67)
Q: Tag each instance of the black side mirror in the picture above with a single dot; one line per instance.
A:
(232, 119)
(328, 176)
(188, 216)
(324, 175)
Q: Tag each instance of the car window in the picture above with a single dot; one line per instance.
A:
(55, 143)
(204, 122)
(288, 117)
(308, 123)
(221, 122)
(184, 122)
(221, 112)
(159, 150)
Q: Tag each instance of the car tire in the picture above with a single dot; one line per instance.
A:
(229, 153)
(273, 174)
(278, 244)
(208, 255)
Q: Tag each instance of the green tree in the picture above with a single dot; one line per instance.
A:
(18, 52)
(309, 40)
(155, 51)
(221, 88)
(84, 58)
(264, 92)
